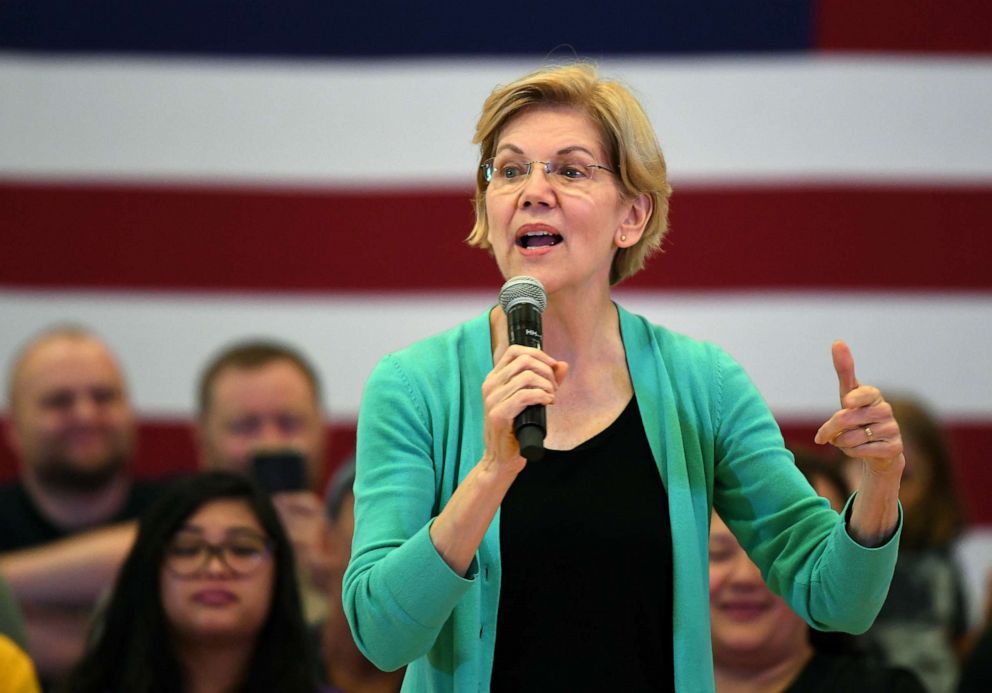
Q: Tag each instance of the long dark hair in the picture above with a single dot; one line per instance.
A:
(132, 649)
(940, 516)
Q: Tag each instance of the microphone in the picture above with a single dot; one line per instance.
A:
(523, 300)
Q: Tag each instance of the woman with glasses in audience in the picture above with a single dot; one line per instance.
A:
(205, 602)
(586, 570)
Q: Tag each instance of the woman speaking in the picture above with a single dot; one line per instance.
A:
(587, 569)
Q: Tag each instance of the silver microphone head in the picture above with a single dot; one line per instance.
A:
(523, 289)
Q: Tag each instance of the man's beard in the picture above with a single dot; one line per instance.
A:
(62, 475)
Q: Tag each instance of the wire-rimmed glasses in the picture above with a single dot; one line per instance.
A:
(509, 174)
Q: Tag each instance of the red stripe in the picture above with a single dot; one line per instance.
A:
(944, 26)
(166, 447)
(176, 238)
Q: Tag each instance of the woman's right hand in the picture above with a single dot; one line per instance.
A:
(521, 377)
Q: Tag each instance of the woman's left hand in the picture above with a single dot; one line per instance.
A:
(864, 428)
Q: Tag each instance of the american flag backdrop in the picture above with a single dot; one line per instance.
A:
(180, 174)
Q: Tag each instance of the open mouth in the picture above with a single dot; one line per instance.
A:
(539, 239)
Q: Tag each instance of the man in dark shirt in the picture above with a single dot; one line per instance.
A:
(72, 428)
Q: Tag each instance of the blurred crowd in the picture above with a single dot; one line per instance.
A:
(230, 579)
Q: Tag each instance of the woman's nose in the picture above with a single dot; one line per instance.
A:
(538, 188)
(215, 564)
(745, 572)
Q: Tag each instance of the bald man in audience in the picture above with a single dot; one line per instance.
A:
(72, 429)
(259, 397)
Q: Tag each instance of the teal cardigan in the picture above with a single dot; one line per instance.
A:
(715, 443)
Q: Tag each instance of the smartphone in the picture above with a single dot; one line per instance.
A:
(277, 471)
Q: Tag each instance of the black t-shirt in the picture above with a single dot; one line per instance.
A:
(586, 558)
(22, 525)
(830, 673)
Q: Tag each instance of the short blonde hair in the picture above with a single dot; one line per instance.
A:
(628, 137)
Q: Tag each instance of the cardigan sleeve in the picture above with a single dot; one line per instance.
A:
(798, 542)
(398, 592)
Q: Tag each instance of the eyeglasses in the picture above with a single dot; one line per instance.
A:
(566, 174)
(242, 555)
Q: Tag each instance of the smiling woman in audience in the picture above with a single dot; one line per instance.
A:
(206, 601)
(760, 645)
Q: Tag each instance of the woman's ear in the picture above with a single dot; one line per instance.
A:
(632, 225)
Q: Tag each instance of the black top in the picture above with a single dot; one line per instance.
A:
(586, 557)
(24, 526)
(830, 673)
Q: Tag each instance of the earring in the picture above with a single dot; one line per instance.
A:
(623, 238)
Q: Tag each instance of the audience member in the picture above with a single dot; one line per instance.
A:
(16, 668)
(17, 674)
(72, 429)
(11, 618)
(259, 396)
(760, 644)
(206, 601)
(345, 668)
(923, 623)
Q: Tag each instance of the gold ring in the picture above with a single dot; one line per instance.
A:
(868, 432)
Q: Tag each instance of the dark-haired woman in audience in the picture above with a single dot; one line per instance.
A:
(923, 623)
(205, 602)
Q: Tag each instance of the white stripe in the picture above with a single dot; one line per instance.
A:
(410, 122)
(933, 345)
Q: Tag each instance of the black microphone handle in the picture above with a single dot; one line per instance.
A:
(530, 436)
(530, 425)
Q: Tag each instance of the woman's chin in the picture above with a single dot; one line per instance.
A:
(218, 628)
